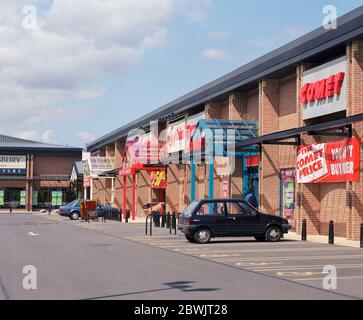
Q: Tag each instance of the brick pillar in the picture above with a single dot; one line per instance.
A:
(355, 107)
(308, 195)
(237, 111)
(29, 184)
(269, 167)
(212, 111)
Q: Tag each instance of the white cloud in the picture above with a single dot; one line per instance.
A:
(214, 54)
(85, 137)
(195, 10)
(47, 136)
(78, 44)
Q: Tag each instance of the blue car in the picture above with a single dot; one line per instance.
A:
(73, 210)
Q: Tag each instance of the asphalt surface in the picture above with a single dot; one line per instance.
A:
(75, 260)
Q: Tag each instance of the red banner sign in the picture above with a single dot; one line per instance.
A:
(329, 162)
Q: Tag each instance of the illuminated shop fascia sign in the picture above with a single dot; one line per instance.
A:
(12, 165)
(324, 89)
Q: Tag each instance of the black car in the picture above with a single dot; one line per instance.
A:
(206, 219)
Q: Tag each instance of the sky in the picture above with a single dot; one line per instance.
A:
(74, 70)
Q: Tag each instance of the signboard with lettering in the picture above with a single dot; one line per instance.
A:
(12, 165)
(329, 162)
(158, 180)
(324, 89)
(179, 133)
(57, 198)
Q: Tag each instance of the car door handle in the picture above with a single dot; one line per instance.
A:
(232, 218)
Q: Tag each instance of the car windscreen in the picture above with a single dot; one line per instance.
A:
(73, 203)
(188, 212)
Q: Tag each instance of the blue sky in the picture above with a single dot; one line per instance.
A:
(193, 42)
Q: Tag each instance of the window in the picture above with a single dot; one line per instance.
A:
(212, 208)
(238, 208)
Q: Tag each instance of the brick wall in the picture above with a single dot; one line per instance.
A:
(355, 106)
(172, 191)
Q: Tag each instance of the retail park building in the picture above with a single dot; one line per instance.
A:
(290, 124)
(35, 175)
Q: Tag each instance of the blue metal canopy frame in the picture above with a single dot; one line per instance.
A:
(221, 137)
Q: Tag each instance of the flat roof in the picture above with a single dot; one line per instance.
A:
(273, 64)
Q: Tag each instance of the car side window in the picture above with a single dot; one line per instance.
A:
(234, 209)
(247, 209)
(212, 208)
(239, 208)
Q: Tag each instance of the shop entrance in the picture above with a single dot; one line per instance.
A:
(251, 176)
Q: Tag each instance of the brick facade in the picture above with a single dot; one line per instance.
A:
(276, 104)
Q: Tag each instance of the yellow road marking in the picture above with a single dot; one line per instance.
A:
(215, 254)
(295, 274)
(311, 267)
(256, 264)
(292, 258)
(338, 278)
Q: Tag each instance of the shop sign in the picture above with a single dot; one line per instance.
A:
(57, 198)
(253, 161)
(329, 162)
(12, 165)
(179, 134)
(288, 195)
(223, 166)
(158, 180)
(225, 187)
(87, 182)
(324, 89)
(176, 137)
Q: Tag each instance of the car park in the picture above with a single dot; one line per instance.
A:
(207, 219)
(73, 210)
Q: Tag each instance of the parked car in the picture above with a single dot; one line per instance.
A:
(73, 210)
(206, 219)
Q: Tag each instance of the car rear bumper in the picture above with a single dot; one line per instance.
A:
(187, 229)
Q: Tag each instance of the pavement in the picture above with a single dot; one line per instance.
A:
(77, 260)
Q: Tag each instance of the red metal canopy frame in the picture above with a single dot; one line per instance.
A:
(132, 171)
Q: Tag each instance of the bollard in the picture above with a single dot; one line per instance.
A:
(168, 220)
(121, 214)
(361, 236)
(331, 232)
(304, 231)
(158, 219)
(174, 222)
(127, 215)
(163, 220)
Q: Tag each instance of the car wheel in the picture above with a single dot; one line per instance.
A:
(273, 234)
(202, 236)
(190, 239)
(260, 239)
(74, 216)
